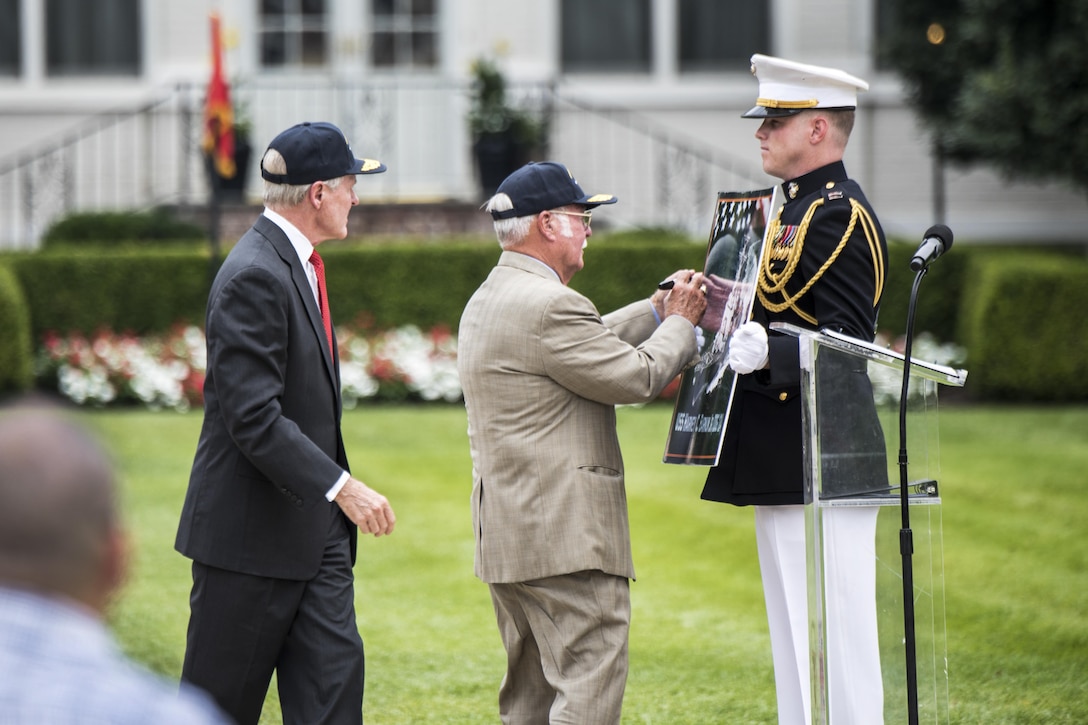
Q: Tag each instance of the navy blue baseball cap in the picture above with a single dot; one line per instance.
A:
(539, 186)
(316, 152)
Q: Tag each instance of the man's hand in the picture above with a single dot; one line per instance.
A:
(687, 298)
(367, 508)
(748, 348)
(663, 289)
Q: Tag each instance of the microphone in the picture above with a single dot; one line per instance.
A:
(937, 241)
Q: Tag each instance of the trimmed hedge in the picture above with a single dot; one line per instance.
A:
(145, 291)
(937, 309)
(1024, 326)
(1003, 307)
(428, 283)
(120, 227)
(16, 350)
(127, 291)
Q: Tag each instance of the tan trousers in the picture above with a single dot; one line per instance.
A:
(566, 648)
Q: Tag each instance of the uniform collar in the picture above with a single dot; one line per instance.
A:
(813, 181)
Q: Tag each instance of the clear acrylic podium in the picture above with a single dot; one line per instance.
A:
(850, 412)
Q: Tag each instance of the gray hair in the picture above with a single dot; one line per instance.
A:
(510, 232)
(279, 196)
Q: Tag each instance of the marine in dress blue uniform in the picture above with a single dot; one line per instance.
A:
(823, 269)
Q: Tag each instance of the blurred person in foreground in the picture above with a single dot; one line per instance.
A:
(62, 561)
(542, 373)
(272, 514)
(823, 270)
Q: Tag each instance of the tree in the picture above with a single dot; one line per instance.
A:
(1001, 82)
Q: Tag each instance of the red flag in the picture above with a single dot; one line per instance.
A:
(218, 113)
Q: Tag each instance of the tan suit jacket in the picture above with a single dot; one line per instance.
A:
(542, 374)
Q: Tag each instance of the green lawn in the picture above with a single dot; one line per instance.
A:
(1015, 558)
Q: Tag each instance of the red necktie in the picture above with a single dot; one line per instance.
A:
(323, 298)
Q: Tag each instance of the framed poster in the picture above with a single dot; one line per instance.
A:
(732, 264)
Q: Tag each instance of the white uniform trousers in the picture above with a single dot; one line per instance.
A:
(855, 683)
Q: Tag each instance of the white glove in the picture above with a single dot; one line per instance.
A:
(748, 348)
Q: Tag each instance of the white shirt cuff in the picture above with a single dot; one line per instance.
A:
(657, 317)
(338, 485)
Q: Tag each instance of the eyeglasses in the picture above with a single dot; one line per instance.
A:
(587, 216)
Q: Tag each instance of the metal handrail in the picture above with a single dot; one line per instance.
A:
(108, 161)
(149, 155)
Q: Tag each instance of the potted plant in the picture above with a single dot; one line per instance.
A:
(504, 137)
(228, 188)
(234, 188)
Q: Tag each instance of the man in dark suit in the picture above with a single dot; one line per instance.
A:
(270, 516)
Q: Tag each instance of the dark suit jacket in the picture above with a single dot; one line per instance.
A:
(270, 447)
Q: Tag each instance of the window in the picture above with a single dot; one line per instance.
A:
(10, 47)
(405, 34)
(721, 35)
(886, 16)
(92, 37)
(606, 35)
(294, 33)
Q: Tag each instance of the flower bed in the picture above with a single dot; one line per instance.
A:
(167, 371)
(404, 363)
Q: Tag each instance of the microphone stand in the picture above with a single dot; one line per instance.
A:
(906, 537)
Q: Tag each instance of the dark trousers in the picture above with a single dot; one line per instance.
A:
(242, 627)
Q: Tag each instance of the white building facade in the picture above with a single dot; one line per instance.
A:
(644, 96)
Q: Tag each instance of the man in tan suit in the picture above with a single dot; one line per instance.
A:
(542, 373)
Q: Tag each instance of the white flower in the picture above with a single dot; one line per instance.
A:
(157, 384)
(85, 386)
(429, 365)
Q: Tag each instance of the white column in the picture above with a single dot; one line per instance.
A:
(665, 60)
(33, 32)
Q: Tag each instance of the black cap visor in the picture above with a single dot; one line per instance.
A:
(765, 112)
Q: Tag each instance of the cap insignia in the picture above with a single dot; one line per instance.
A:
(370, 164)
